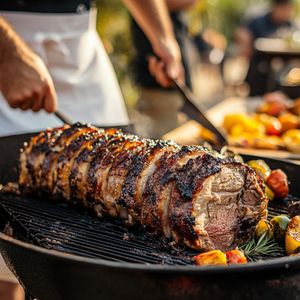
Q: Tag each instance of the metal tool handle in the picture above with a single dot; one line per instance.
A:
(194, 111)
(63, 118)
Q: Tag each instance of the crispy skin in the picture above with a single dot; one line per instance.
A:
(187, 193)
(33, 155)
(66, 159)
(142, 168)
(157, 191)
(117, 174)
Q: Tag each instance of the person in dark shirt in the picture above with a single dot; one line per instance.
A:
(157, 105)
(266, 25)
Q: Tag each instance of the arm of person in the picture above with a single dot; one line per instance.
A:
(154, 19)
(24, 79)
(244, 41)
(179, 5)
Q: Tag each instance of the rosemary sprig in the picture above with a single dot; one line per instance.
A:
(266, 246)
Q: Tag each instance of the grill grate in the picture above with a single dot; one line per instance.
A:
(65, 229)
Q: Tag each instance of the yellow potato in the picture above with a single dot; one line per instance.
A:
(288, 121)
(233, 119)
(262, 227)
(292, 236)
(215, 257)
(291, 140)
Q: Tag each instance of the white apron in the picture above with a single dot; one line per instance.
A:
(83, 76)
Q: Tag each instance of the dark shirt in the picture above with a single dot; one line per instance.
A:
(143, 50)
(264, 26)
(259, 67)
(45, 6)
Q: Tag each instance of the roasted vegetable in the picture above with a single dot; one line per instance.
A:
(278, 227)
(292, 236)
(260, 167)
(288, 121)
(278, 183)
(236, 257)
(215, 257)
(271, 142)
(291, 140)
(272, 125)
(269, 193)
(272, 108)
(262, 228)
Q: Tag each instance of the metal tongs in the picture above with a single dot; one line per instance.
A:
(196, 112)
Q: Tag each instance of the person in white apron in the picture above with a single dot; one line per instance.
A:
(66, 40)
(75, 57)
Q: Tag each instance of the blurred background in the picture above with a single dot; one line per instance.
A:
(217, 71)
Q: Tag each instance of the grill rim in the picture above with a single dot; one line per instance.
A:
(281, 263)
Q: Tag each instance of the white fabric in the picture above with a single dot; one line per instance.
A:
(83, 76)
(85, 82)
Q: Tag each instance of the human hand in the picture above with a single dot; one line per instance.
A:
(26, 83)
(168, 65)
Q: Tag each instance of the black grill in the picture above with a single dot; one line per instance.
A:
(68, 230)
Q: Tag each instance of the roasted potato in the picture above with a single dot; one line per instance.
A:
(291, 140)
(292, 236)
(288, 121)
(278, 183)
(214, 257)
(262, 227)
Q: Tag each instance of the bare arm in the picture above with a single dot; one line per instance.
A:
(24, 79)
(154, 19)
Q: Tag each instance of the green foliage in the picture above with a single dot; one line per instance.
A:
(113, 25)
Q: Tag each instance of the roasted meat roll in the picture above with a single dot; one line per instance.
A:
(188, 194)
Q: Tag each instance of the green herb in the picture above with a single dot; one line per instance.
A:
(266, 246)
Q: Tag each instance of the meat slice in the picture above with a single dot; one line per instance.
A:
(49, 165)
(98, 171)
(142, 168)
(33, 155)
(81, 165)
(66, 159)
(157, 193)
(117, 174)
(223, 208)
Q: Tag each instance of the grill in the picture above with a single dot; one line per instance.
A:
(65, 229)
(114, 262)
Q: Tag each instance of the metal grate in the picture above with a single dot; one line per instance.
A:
(65, 229)
(68, 230)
